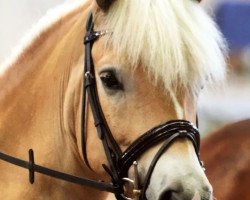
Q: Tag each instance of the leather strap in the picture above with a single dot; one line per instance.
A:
(32, 167)
(164, 147)
(156, 135)
(168, 132)
(111, 148)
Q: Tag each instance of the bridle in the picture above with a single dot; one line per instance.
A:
(119, 162)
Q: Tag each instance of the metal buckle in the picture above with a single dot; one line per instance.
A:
(134, 183)
(88, 75)
(101, 33)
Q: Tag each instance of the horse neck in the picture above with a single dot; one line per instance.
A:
(36, 106)
(33, 102)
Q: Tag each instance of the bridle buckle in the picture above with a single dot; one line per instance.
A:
(134, 183)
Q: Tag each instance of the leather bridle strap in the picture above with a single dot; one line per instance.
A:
(168, 133)
(32, 167)
(111, 148)
(155, 136)
(163, 148)
(89, 86)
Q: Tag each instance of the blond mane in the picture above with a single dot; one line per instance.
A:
(176, 41)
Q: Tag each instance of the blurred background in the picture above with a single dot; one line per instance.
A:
(216, 108)
(232, 102)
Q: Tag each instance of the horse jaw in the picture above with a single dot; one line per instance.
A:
(177, 175)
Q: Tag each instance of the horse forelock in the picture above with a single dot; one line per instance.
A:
(176, 41)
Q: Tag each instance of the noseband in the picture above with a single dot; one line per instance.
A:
(119, 162)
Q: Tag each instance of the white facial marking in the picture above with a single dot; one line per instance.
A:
(196, 196)
(178, 108)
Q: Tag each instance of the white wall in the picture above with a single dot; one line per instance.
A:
(17, 17)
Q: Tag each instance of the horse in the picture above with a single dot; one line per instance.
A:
(122, 111)
(226, 156)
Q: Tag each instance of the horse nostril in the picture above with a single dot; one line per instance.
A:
(167, 195)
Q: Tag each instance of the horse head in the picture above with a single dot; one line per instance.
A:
(147, 73)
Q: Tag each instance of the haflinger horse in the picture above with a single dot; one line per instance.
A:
(226, 154)
(122, 111)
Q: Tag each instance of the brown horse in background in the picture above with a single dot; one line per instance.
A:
(226, 154)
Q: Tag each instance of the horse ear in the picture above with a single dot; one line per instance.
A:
(104, 4)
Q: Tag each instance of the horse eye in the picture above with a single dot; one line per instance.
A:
(110, 80)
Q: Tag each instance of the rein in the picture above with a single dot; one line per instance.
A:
(119, 162)
(32, 167)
